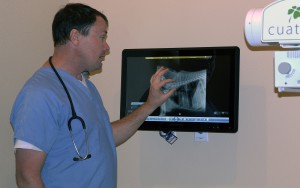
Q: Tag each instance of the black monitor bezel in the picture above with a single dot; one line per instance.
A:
(231, 127)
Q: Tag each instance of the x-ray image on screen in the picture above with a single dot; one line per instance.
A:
(190, 95)
(206, 82)
(191, 75)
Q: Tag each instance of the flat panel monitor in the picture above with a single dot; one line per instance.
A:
(207, 87)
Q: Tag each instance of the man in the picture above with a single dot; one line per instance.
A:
(63, 137)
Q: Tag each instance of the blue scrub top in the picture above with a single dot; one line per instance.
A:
(40, 115)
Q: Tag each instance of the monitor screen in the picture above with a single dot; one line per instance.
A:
(207, 87)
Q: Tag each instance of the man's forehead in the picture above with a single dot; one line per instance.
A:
(101, 21)
(100, 25)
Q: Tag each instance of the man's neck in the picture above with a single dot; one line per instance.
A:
(64, 60)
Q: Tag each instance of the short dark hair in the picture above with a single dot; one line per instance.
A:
(73, 16)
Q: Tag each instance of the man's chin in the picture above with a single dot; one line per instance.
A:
(97, 70)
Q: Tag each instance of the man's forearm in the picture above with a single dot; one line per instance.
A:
(124, 128)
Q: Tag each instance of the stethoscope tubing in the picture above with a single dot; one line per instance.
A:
(74, 117)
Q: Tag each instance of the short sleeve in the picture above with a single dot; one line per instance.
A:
(33, 119)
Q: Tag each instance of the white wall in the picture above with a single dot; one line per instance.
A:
(263, 154)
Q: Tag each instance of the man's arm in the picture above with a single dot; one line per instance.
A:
(29, 164)
(124, 128)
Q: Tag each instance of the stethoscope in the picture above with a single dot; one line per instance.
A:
(74, 117)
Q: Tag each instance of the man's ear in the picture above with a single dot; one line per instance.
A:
(74, 36)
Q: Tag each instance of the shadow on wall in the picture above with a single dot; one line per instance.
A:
(227, 159)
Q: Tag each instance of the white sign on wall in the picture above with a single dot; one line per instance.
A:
(281, 21)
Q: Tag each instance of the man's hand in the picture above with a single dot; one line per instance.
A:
(124, 128)
(156, 96)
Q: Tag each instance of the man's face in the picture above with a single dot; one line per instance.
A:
(94, 47)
